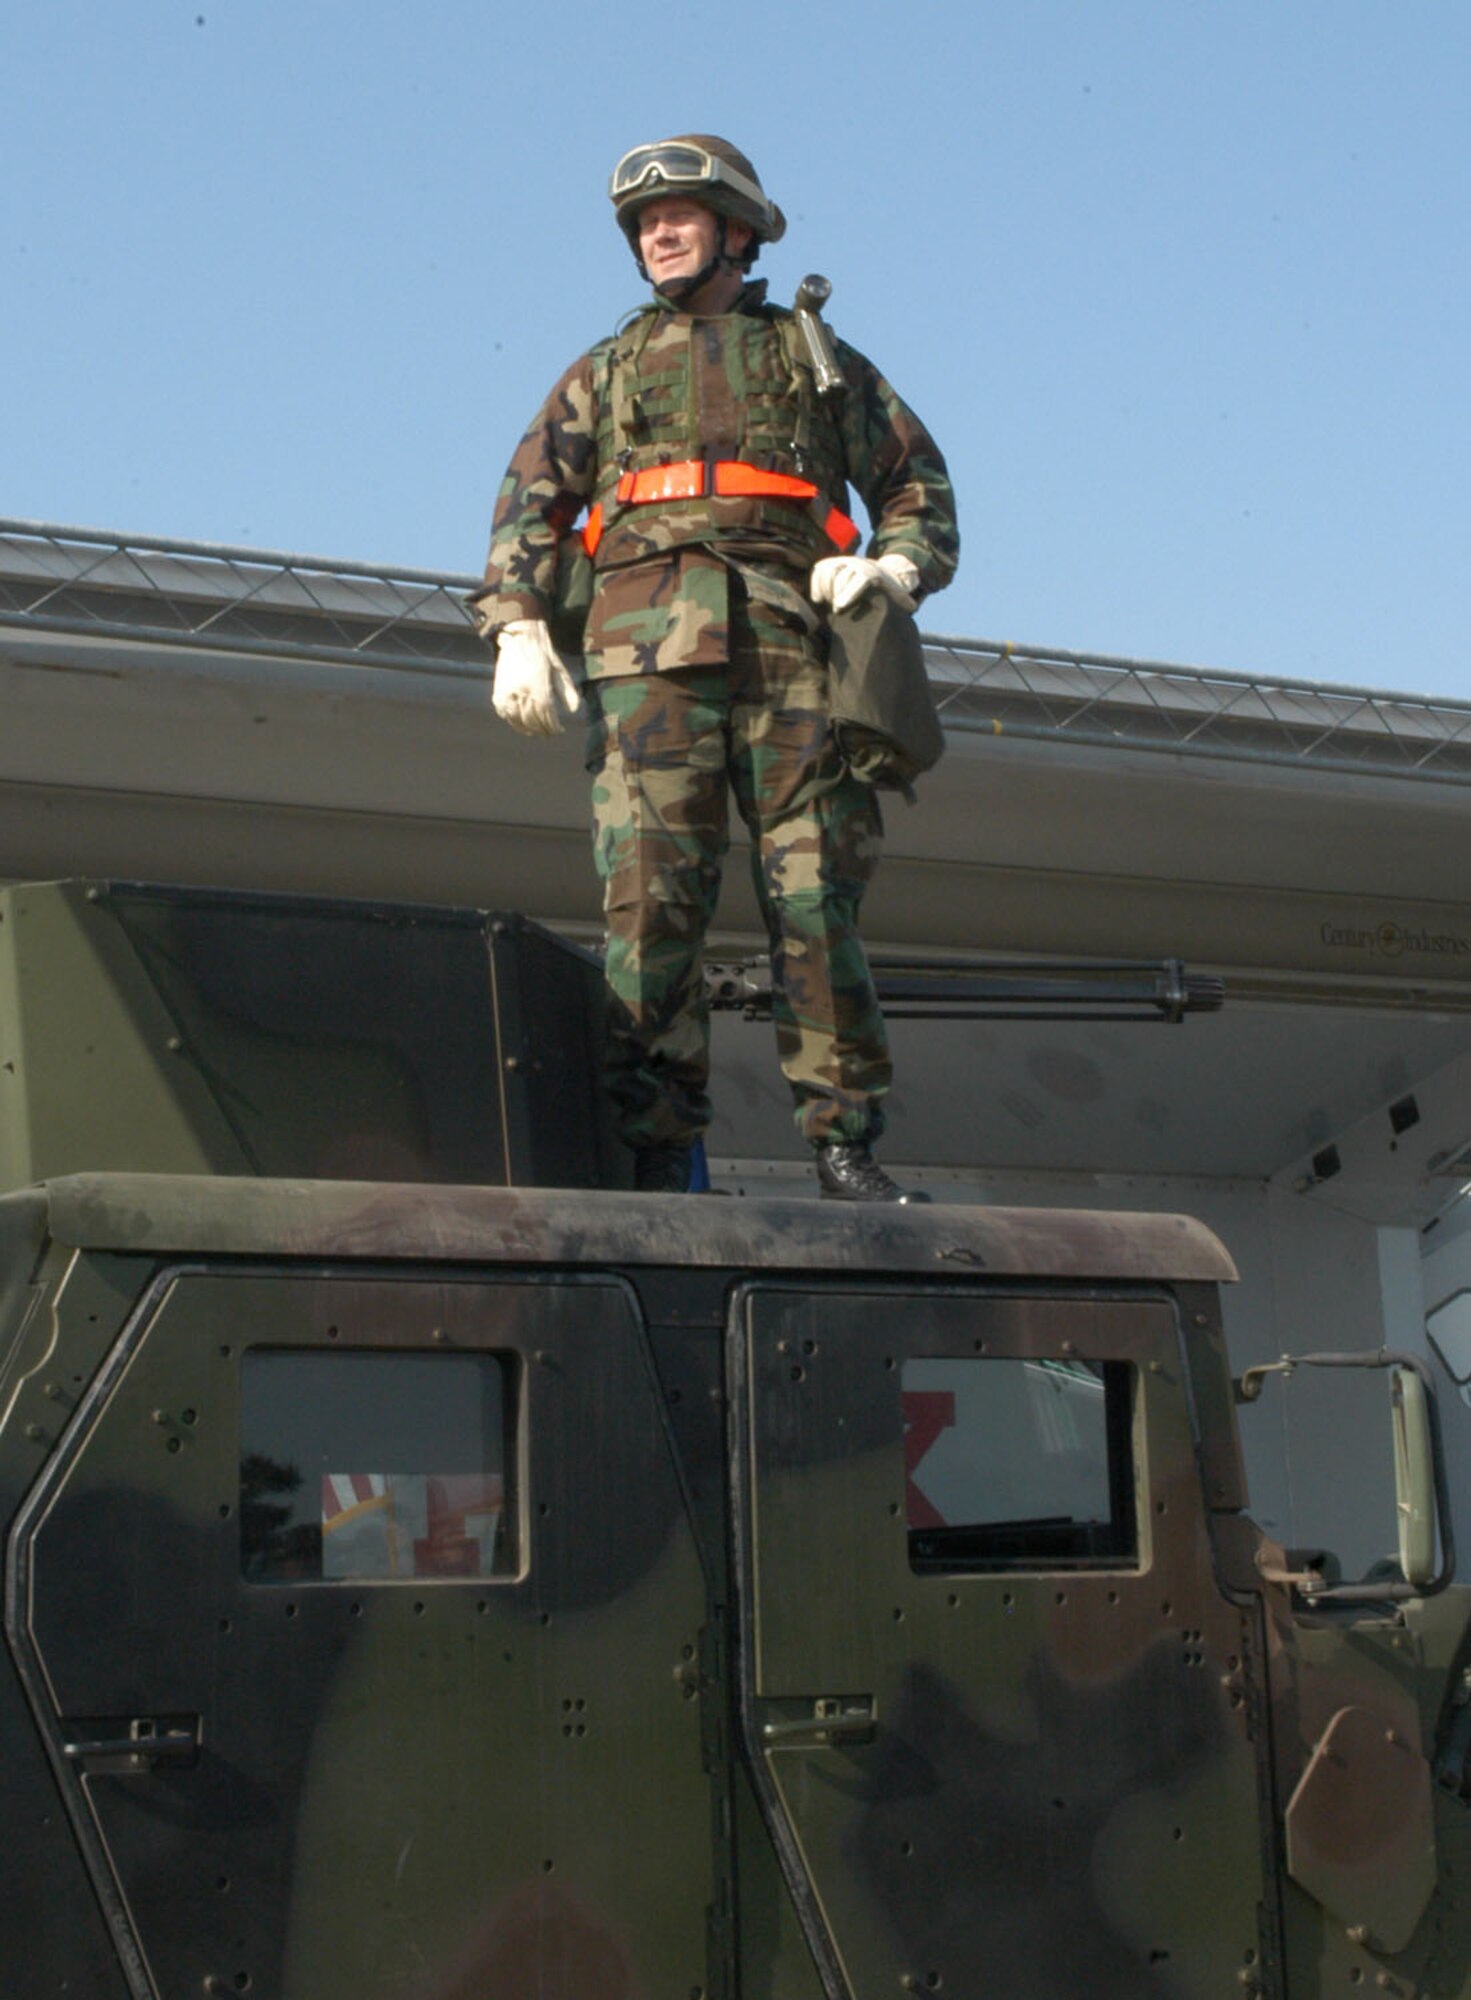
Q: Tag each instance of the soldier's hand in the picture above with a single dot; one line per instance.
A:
(840, 581)
(532, 686)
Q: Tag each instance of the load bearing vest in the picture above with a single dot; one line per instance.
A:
(663, 374)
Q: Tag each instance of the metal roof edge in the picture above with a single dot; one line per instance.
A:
(153, 594)
(168, 1215)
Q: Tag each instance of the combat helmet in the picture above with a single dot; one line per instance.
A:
(706, 169)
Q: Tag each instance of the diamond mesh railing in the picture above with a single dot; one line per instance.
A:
(89, 584)
(1106, 702)
(149, 591)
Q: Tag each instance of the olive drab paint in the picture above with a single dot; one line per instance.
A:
(424, 1583)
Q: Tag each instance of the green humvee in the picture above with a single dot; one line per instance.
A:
(427, 1585)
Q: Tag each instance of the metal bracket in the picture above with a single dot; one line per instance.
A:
(1308, 1581)
(834, 1718)
(1252, 1381)
(132, 1743)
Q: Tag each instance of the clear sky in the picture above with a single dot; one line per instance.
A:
(1182, 288)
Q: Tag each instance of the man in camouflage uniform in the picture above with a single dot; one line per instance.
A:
(716, 478)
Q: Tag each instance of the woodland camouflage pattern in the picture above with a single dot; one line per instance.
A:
(662, 591)
(663, 747)
(715, 591)
(603, 1773)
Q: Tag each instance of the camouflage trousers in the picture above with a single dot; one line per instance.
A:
(666, 750)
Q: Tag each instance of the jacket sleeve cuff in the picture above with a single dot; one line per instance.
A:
(932, 576)
(492, 609)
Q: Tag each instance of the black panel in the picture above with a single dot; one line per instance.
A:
(559, 1130)
(360, 1041)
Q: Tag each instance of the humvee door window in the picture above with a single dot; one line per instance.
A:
(1449, 1327)
(388, 1467)
(1013, 1464)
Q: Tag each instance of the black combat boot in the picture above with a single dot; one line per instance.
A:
(848, 1171)
(662, 1169)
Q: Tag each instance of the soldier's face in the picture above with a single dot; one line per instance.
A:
(675, 238)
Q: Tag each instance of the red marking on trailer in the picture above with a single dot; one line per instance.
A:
(927, 1412)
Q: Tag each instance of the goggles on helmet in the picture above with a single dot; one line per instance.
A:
(677, 164)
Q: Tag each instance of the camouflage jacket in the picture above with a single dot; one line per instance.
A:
(672, 387)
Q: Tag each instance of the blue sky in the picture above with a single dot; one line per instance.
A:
(1182, 289)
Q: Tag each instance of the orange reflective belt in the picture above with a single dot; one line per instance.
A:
(685, 480)
(845, 535)
(737, 480)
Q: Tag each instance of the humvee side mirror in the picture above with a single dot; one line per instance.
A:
(1414, 1476)
(1422, 1505)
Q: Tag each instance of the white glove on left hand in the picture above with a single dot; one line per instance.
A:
(532, 686)
(840, 581)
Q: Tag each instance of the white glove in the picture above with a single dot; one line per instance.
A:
(841, 580)
(532, 686)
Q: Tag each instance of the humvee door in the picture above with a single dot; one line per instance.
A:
(991, 1689)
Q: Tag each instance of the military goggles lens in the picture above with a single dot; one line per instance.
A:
(679, 165)
(676, 166)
